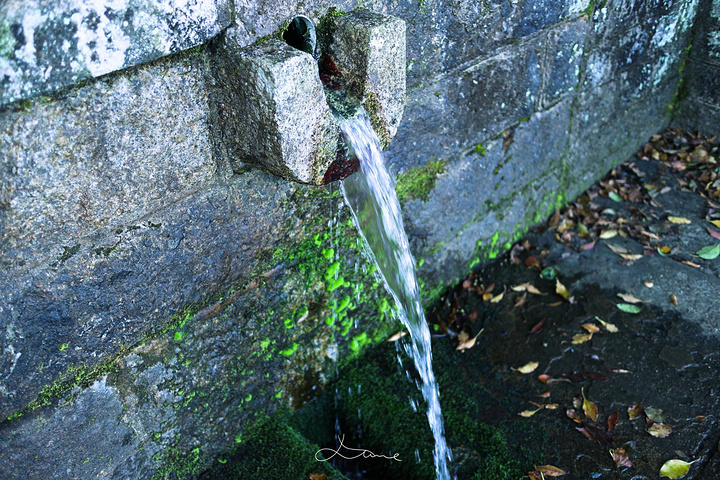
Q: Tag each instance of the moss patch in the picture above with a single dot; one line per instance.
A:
(418, 182)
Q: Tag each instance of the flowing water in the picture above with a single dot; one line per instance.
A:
(370, 193)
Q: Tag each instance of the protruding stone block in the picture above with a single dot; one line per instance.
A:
(369, 50)
(274, 114)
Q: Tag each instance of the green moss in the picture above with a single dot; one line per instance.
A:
(480, 149)
(418, 182)
(68, 252)
(271, 449)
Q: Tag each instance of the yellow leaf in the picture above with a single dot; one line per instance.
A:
(620, 457)
(529, 413)
(630, 298)
(635, 411)
(590, 409)
(550, 470)
(396, 336)
(716, 223)
(581, 338)
(660, 430)
(608, 326)
(528, 367)
(607, 234)
(675, 468)
(679, 220)
(561, 290)
(487, 296)
(497, 298)
(526, 287)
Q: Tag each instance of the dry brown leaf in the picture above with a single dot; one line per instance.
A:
(620, 457)
(396, 336)
(674, 299)
(466, 343)
(590, 327)
(590, 409)
(608, 326)
(543, 395)
(690, 264)
(679, 220)
(573, 415)
(521, 300)
(317, 476)
(528, 367)
(630, 298)
(660, 430)
(552, 406)
(535, 476)
(550, 470)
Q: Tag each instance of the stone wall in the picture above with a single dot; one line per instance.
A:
(699, 96)
(158, 298)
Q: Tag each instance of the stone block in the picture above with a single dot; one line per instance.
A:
(563, 59)
(273, 113)
(369, 50)
(46, 45)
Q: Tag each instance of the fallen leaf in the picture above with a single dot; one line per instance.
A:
(550, 470)
(715, 222)
(608, 326)
(579, 338)
(544, 395)
(628, 308)
(714, 233)
(590, 409)
(396, 336)
(617, 248)
(630, 298)
(608, 234)
(614, 196)
(660, 430)
(535, 476)
(561, 290)
(551, 406)
(487, 296)
(466, 343)
(612, 420)
(710, 252)
(679, 220)
(690, 264)
(649, 284)
(664, 251)
(624, 252)
(528, 367)
(655, 414)
(635, 411)
(590, 327)
(521, 300)
(675, 468)
(317, 476)
(673, 300)
(526, 287)
(620, 457)
(529, 413)
(532, 262)
(497, 298)
(555, 304)
(544, 378)
(573, 415)
(538, 326)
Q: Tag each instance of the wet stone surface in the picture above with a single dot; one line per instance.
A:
(658, 370)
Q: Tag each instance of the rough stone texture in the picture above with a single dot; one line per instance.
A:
(273, 111)
(46, 45)
(369, 50)
(700, 92)
(145, 263)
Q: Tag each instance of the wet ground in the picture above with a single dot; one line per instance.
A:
(619, 385)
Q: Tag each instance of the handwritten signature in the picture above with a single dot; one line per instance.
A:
(362, 453)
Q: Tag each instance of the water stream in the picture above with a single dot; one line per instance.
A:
(370, 193)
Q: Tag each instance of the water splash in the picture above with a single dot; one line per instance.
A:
(370, 193)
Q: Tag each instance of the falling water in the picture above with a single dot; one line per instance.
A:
(370, 193)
